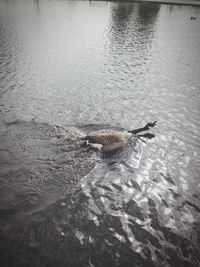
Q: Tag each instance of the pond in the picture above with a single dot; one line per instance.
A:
(70, 67)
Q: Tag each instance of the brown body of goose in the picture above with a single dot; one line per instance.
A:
(109, 139)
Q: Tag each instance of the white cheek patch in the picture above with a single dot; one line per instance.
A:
(98, 146)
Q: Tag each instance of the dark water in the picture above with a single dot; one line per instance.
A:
(94, 65)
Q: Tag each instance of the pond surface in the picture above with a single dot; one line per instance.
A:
(67, 68)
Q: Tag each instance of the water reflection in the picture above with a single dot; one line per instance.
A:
(128, 48)
(133, 17)
(37, 5)
(121, 14)
(148, 13)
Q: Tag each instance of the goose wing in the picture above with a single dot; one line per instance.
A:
(111, 147)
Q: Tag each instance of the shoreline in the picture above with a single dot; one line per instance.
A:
(174, 2)
(165, 2)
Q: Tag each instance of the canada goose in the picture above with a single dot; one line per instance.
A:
(193, 18)
(114, 139)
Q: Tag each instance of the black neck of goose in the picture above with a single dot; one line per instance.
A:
(137, 130)
(145, 128)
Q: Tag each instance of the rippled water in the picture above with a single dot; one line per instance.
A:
(86, 66)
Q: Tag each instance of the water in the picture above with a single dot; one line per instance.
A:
(86, 66)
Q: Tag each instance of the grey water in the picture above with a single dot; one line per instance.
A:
(70, 67)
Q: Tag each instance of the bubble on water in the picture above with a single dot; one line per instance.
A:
(129, 183)
(117, 181)
(107, 242)
(195, 153)
(124, 187)
(149, 163)
(102, 191)
(163, 138)
(187, 160)
(184, 183)
(91, 240)
(87, 192)
(96, 221)
(90, 264)
(130, 190)
(145, 174)
(117, 254)
(139, 178)
(179, 142)
(135, 160)
(183, 173)
(80, 236)
(167, 211)
(102, 199)
(93, 183)
(125, 215)
(120, 237)
(171, 223)
(188, 218)
(139, 249)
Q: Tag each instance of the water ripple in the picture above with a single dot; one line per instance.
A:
(94, 65)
